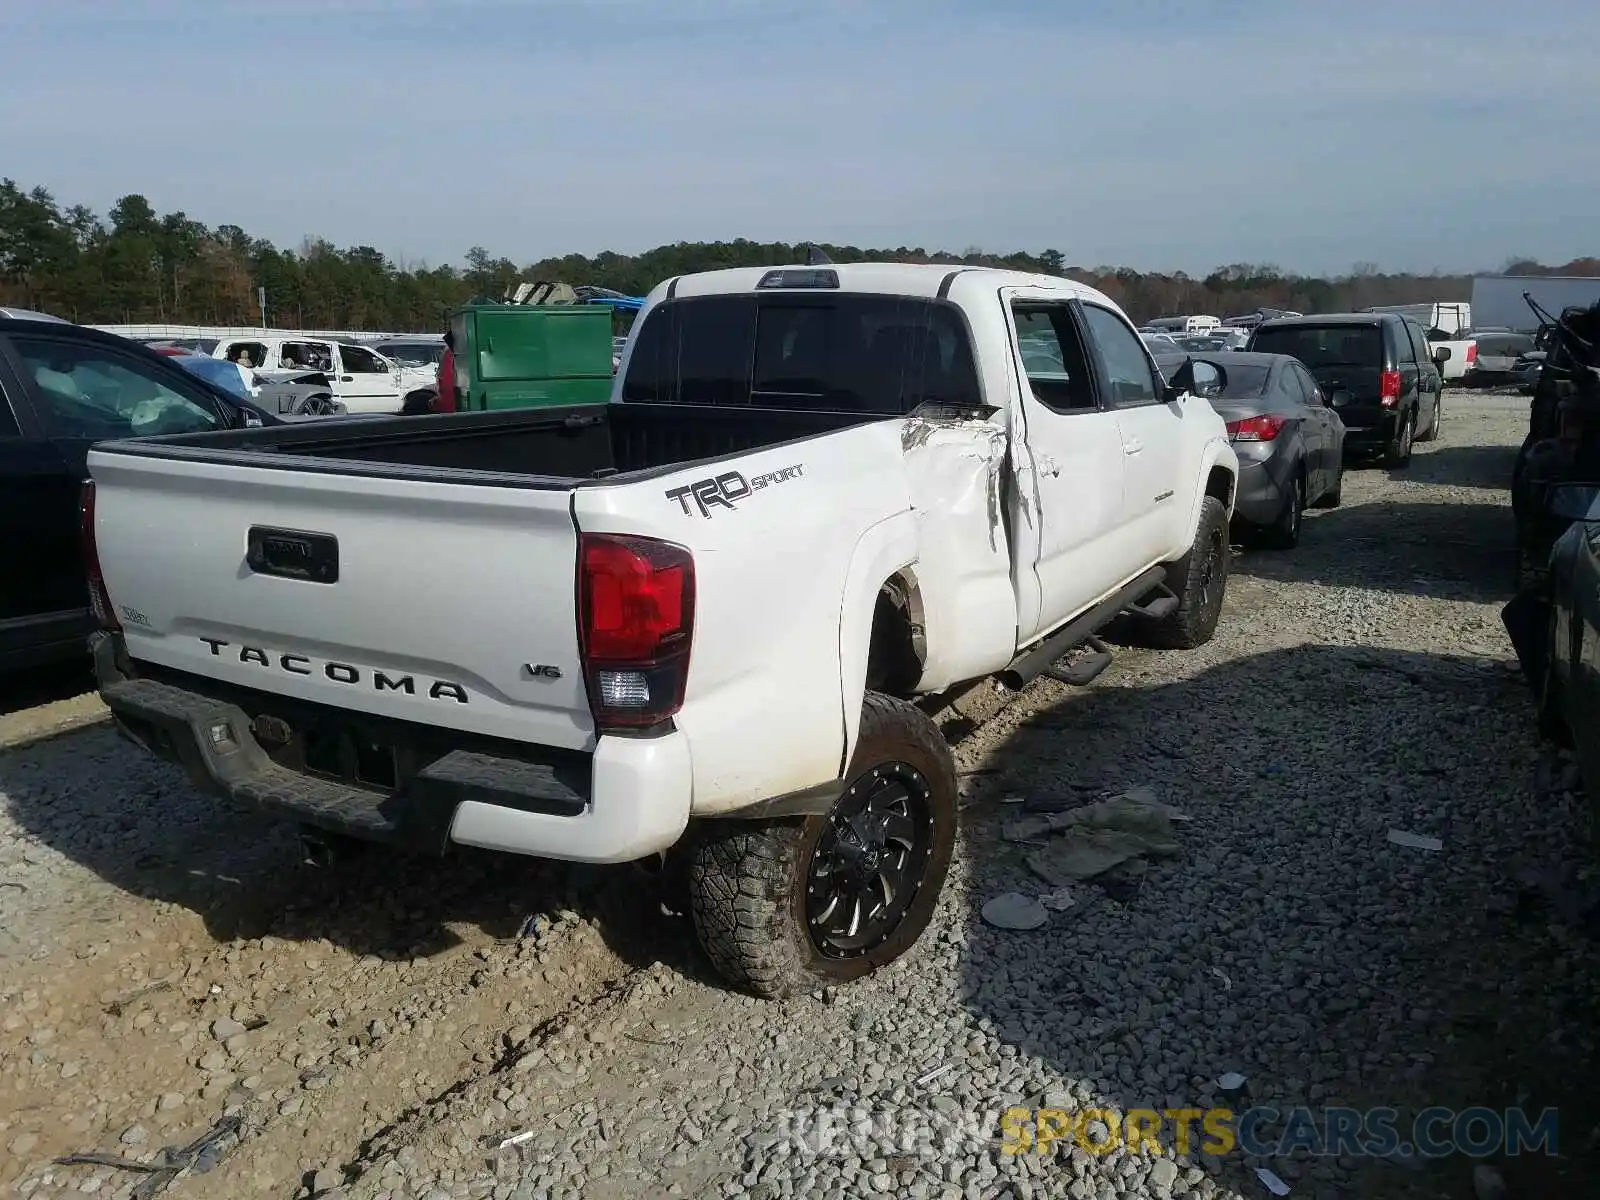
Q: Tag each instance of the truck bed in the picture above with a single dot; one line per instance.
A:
(528, 447)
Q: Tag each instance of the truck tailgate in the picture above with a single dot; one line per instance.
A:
(450, 604)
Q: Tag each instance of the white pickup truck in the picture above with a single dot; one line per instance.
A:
(697, 619)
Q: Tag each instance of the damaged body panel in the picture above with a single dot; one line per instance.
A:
(954, 476)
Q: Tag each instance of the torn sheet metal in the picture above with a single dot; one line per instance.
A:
(960, 463)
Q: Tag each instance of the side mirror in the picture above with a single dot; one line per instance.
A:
(1441, 354)
(1182, 381)
(1339, 397)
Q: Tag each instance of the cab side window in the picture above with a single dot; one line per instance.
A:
(1053, 355)
(1130, 375)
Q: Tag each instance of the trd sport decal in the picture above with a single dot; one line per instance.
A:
(727, 489)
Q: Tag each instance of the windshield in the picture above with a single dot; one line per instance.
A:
(1323, 345)
(413, 354)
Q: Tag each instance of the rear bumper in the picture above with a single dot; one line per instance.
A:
(627, 800)
(1261, 496)
(1367, 431)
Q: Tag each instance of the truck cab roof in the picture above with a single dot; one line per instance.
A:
(931, 280)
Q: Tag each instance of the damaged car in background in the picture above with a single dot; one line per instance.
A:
(1555, 627)
(1562, 444)
(1554, 619)
(703, 613)
(1289, 440)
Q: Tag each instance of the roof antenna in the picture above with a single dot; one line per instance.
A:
(816, 258)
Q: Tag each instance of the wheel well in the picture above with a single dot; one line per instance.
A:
(1220, 485)
(898, 650)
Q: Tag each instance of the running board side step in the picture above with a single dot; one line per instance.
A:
(1085, 669)
(1162, 604)
(1041, 656)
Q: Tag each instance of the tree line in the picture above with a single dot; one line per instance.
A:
(137, 266)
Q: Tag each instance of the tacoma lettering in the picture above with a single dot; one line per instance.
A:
(338, 672)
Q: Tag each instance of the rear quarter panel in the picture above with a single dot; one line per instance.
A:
(763, 708)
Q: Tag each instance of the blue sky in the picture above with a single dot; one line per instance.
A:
(1413, 134)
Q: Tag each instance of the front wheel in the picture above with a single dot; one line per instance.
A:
(1200, 580)
(781, 907)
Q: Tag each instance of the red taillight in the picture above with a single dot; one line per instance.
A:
(635, 626)
(1472, 353)
(99, 598)
(1256, 429)
(1389, 388)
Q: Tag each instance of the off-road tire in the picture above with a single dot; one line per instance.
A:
(1193, 622)
(1284, 533)
(747, 879)
(1398, 451)
(1438, 421)
(1335, 495)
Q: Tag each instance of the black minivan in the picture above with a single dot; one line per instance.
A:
(1378, 370)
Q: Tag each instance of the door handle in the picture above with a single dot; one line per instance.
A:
(1133, 447)
(346, 379)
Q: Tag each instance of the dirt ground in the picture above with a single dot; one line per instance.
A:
(167, 963)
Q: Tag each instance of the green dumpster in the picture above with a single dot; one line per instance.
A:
(531, 355)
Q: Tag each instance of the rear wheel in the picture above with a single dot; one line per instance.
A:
(1334, 496)
(1284, 533)
(1438, 419)
(781, 907)
(1398, 452)
(1200, 581)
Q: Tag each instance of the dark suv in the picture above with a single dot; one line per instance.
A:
(1378, 370)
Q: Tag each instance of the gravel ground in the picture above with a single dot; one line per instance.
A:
(381, 1030)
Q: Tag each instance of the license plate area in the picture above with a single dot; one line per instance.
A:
(293, 554)
(336, 751)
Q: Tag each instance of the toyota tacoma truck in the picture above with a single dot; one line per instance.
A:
(690, 626)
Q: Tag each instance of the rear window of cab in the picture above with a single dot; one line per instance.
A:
(848, 352)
